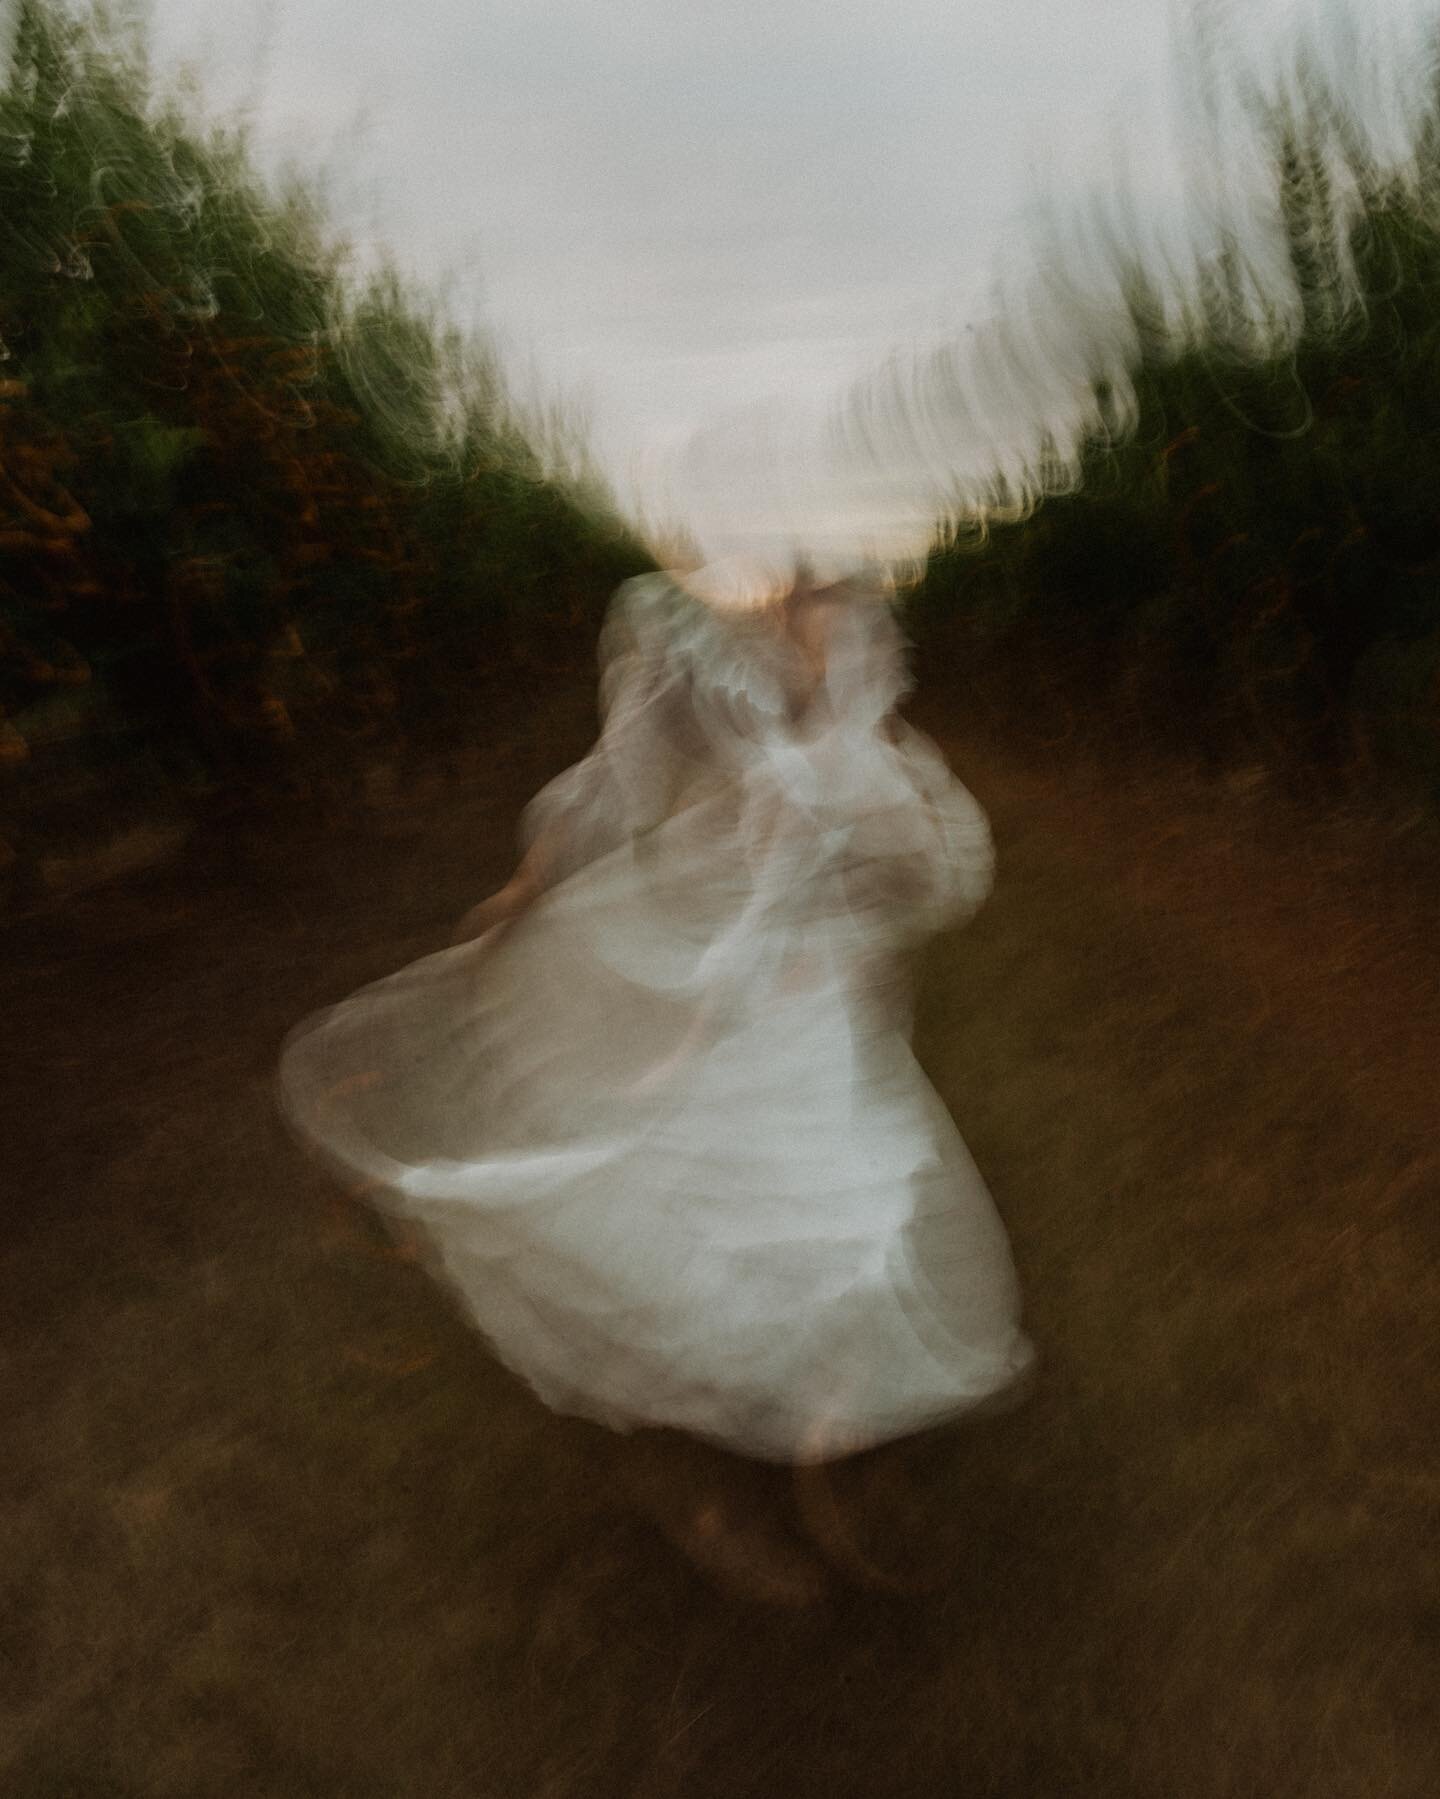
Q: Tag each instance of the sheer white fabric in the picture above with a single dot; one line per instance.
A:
(665, 1134)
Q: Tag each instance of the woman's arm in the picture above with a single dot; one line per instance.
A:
(519, 893)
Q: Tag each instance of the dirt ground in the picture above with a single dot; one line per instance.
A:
(272, 1522)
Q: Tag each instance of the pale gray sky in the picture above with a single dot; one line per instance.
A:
(705, 221)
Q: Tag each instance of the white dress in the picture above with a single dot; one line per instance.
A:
(665, 1135)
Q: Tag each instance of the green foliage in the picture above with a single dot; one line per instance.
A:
(1255, 568)
(251, 506)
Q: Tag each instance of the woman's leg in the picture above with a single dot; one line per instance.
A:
(724, 1513)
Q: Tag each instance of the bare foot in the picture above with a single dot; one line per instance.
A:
(748, 1560)
(717, 1512)
(837, 1528)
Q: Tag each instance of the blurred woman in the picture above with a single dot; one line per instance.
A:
(656, 1114)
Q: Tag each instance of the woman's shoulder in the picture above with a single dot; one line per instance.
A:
(719, 651)
(654, 613)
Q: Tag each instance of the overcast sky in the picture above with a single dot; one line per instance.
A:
(689, 214)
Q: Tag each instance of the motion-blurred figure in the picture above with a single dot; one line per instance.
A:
(657, 1114)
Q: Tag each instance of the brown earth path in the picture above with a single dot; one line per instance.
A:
(271, 1522)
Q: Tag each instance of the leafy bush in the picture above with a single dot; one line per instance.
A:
(1255, 568)
(252, 507)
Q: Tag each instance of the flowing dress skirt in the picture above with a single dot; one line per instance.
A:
(749, 1218)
